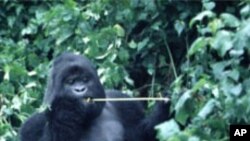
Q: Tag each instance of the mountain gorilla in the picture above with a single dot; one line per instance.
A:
(73, 115)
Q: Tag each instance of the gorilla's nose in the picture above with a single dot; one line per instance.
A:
(80, 89)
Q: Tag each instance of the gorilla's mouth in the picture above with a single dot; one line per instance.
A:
(88, 99)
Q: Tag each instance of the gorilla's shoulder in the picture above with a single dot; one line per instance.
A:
(32, 129)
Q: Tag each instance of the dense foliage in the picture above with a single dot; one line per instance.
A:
(197, 50)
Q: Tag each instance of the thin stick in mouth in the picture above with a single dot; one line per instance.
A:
(127, 99)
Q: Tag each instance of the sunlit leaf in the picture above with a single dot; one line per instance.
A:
(218, 69)
(236, 89)
(167, 129)
(66, 33)
(229, 20)
(209, 5)
(245, 10)
(179, 26)
(182, 112)
(129, 80)
(207, 109)
(197, 46)
(201, 16)
(132, 44)
(119, 30)
(234, 74)
(142, 44)
(222, 42)
(200, 84)
(16, 103)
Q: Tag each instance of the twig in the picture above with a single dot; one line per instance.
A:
(170, 54)
(129, 99)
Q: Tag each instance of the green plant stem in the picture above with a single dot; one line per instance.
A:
(170, 55)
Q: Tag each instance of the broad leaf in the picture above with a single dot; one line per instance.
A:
(167, 129)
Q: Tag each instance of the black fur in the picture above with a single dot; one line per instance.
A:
(69, 118)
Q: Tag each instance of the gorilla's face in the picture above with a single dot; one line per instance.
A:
(81, 84)
(77, 85)
(74, 77)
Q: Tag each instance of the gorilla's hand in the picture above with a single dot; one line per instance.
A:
(67, 111)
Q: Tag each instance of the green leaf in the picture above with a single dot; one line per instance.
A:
(222, 42)
(119, 30)
(218, 69)
(16, 103)
(33, 60)
(181, 107)
(207, 109)
(215, 25)
(7, 69)
(132, 44)
(3, 129)
(216, 92)
(186, 96)
(7, 88)
(209, 5)
(236, 90)
(201, 16)
(11, 20)
(179, 26)
(241, 39)
(65, 34)
(70, 3)
(234, 74)
(197, 46)
(150, 69)
(200, 84)
(167, 129)
(229, 20)
(246, 85)
(143, 43)
(91, 51)
(236, 52)
(229, 88)
(123, 55)
(245, 10)
(156, 25)
(194, 138)
(129, 80)
(26, 31)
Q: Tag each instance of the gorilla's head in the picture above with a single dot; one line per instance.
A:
(74, 77)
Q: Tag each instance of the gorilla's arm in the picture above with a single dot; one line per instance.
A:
(66, 120)
(131, 114)
(159, 114)
(33, 128)
(139, 127)
(63, 123)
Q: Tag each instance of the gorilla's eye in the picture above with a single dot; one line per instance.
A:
(70, 81)
(85, 79)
